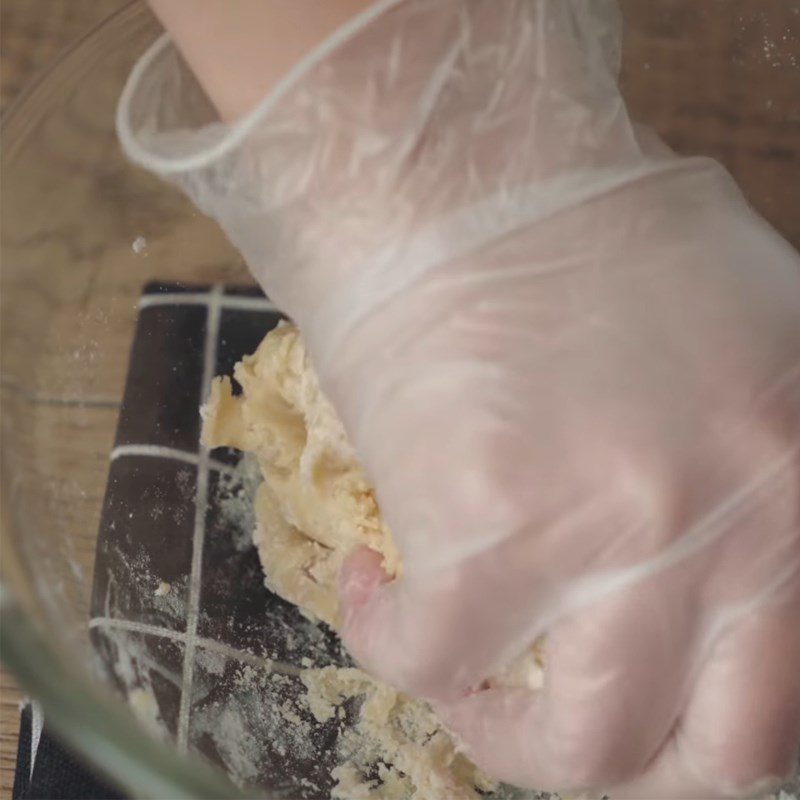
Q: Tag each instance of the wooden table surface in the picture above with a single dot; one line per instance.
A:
(32, 34)
(747, 116)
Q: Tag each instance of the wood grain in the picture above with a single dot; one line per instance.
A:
(9, 730)
(32, 33)
(721, 78)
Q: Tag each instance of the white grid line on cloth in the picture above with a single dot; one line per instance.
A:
(37, 723)
(224, 301)
(136, 627)
(200, 641)
(198, 537)
(159, 451)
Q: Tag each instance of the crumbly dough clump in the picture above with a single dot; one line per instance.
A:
(314, 506)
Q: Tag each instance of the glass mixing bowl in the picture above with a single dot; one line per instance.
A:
(71, 209)
(721, 77)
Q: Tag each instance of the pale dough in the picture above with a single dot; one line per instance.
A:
(315, 504)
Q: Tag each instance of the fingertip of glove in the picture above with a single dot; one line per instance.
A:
(363, 627)
(492, 727)
(361, 574)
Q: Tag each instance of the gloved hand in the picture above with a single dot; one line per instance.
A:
(570, 362)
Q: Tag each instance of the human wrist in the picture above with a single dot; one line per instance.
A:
(238, 57)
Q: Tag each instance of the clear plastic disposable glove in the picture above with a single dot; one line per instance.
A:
(570, 362)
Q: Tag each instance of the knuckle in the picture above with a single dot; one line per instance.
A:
(596, 759)
(489, 490)
(422, 666)
(744, 764)
(592, 751)
(417, 651)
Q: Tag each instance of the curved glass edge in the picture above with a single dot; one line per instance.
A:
(99, 729)
(134, 12)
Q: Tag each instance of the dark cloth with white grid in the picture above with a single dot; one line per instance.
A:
(181, 620)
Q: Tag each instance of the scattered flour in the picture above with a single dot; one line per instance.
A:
(145, 708)
(235, 496)
(213, 662)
